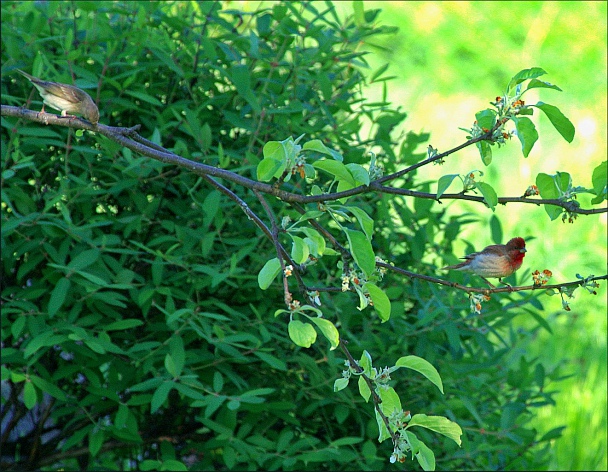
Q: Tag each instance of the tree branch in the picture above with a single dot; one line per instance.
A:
(287, 296)
(130, 139)
(486, 291)
(568, 205)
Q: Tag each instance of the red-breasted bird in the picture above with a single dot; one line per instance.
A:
(65, 98)
(497, 260)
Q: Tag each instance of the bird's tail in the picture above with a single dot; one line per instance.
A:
(26, 75)
(459, 266)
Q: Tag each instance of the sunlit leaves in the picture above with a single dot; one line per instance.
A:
(422, 366)
(562, 124)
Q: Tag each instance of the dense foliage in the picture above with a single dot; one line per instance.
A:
(134, 331)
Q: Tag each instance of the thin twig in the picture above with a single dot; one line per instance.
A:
(376, 399)
(288, 297)
(507, 289)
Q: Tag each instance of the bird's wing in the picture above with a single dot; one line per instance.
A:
(67, 92)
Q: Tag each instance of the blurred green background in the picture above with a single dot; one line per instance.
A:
(450, 59)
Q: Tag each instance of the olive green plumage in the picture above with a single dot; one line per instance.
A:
(65, 98)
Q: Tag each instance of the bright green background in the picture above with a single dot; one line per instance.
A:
(450, 59)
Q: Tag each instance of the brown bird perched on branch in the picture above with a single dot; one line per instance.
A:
(65, 98)
(497, 260)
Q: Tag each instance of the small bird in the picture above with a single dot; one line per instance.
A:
(65, 98)
(497, 260)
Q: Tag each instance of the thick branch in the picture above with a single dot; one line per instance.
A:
(128, 137)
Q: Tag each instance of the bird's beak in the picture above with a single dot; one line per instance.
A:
(523, 249)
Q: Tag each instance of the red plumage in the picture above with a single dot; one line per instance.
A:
(497, 260)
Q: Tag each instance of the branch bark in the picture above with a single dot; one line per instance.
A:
(129, 138)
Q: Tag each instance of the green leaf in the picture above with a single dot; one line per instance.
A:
(17, 326)
(546, 186)
(562, 124)
(485, 151)
(314, 241)
(173, 465)
(347, 441)
(147, 384)
(359, 13)
(93, 278)
(318, 146)
(170, 365)
(94, 346)
(120, 420)
(256, 392)
(76, 437)
(599, 180)
(378, 72)
(524, 75)
(144, 97)
(58, 295)
(424, 455)
(390, 400)
(553, 434)
(96, 438)
(439, 424)
(84, 259)
(178, 354)
(218, 381)
(359, 173)
(422, 366)
(365, 221)
(48, 387)
(489, 194)
(45, 339)
(160, 395)
(213, 404)
(553, 187)
(535, 83)
(268, 168)
(364, 389)
(391, 403)
(540, 320)
(272, 361)
(311, 214)
(486, 119)
(340, 384)
(328, 329)
(271, 269)
(382, 304)
(361, 249)
(366, 363)
(148, 464)
(299, 250)
(302, 334)
(527, 134)
(29, 395)
(337, 169)
(189, 392)
(241, 78)
(123, 324)
(496, 229)
(275, 150)
(444, 182)
(15, 377)
(510, 413)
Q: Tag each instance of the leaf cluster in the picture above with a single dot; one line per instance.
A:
(135, 333)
